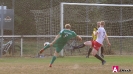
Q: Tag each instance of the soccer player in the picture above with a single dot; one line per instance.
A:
(96, 44)
(94, 38)
(60, 40)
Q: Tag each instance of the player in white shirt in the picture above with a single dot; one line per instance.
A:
(94, 37)
(101, 35)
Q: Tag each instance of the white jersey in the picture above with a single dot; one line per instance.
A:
(101, 35)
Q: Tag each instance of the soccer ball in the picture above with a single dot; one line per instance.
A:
(46, 43)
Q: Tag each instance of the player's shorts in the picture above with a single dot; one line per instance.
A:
(58, 47)
(96, 45)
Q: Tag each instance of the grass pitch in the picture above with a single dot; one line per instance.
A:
(65, 65)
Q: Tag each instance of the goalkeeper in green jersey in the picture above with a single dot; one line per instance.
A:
(94, 37)
(60, 40)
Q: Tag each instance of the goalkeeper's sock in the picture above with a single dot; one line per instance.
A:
(89, 52)
(80, 46)
(98, 57)
(52, 61)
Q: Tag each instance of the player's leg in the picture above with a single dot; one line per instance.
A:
(94, 53)
(45, 47)
(79, 46)
(87, 43)
(53, 58)
(58, 49)
(95, 49)
(89, 51)
(102, 50)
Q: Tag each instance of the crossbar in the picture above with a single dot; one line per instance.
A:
(94, 4)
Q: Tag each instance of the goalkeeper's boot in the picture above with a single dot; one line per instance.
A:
(50, 65)
(103, 62)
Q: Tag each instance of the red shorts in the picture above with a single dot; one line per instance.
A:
(96, 45)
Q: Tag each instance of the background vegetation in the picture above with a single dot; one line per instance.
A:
(24, 23)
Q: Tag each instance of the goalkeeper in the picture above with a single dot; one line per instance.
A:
(59, 42)
(94, 37)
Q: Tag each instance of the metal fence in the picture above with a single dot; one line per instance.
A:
(42, 17)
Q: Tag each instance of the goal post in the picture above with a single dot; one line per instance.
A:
(117, 16)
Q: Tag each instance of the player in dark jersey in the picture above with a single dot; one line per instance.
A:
(60, 40)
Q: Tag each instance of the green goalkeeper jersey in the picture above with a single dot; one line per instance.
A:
(65, 36)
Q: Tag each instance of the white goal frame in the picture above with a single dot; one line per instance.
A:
(89, 4)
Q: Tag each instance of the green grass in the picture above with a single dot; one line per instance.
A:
(65, 65)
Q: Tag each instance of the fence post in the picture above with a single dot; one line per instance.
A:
(2, 20)
(21, 46)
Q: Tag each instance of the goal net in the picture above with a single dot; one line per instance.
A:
(118, 19)
(48, 24)
(83, 18)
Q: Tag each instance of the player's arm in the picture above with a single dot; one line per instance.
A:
(55, 39)
(95, 33)
(79, 37)
(107, 40)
